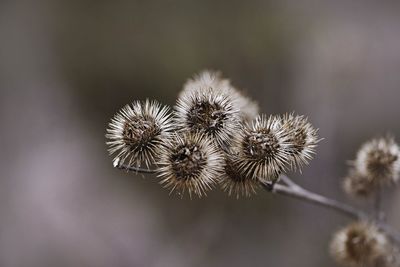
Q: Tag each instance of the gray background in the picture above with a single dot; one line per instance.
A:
(67, 66)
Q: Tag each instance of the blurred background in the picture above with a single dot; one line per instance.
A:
(67, 66)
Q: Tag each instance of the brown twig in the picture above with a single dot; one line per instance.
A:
(302, 194)
(135, 169)
(292, 189)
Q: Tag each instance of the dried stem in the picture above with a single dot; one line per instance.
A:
(291, 189)
(379, 213)
(135, 169)
(377, 203)
(294, 190)
(289, 182)
(302, 194)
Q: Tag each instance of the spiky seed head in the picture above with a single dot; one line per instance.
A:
(137, 132)
(303, 137)
(248, 108)
(379, 160)
(205, 80)
(263, 148)
(190, 163)
(234, 182)
(359, 244)
(210, 112)
(358, 185)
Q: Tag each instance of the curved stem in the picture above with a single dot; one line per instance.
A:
(289, 182)
(294, 190)
(302, 194)
(134, 169)
(379, 213)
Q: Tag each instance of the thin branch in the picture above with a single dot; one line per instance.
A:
(269, 186)
(311, 197)
(379, 213)
(377, 204)
(289, 182)
(135, 169)
(294, 190)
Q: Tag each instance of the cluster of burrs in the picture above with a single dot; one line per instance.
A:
(362, 244)
(377, 165)
(213, 135)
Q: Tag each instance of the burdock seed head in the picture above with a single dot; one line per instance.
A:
(358, 185)
(264, 148)
(137, 132)
(190, 162)
(205, 80)
(234, 182)
(303, 137)
(248, 108)
(379, 160)
(210, 112)
(360, 245)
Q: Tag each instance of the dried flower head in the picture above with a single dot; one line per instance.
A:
(359, 244)
(190, 162)
(205, 80)
(358, 185)
(379, 160)
(264, 148)
(303, 137)
(248, 109)
(136, 133)
(210, 112)
(234, 182)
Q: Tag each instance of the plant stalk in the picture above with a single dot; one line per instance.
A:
(292, 189)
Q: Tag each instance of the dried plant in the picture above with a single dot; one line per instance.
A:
(208, 111)
(137, 132)
(233, 181)
(190, 162)
(360, 244)
(215, 136)
(264, 148)
(378, 161)
(303, 139)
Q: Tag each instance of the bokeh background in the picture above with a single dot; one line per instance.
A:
(67, 66)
